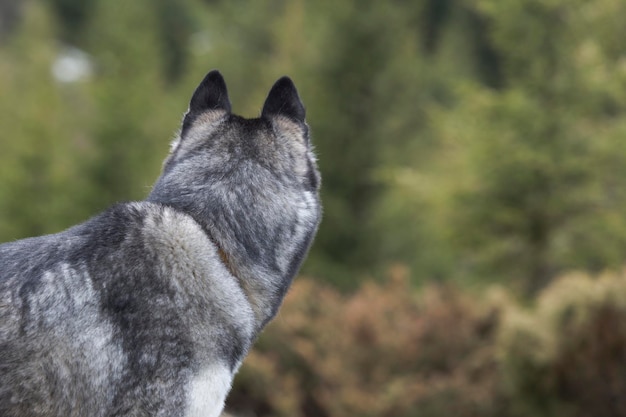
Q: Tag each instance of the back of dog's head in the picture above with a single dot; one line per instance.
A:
(220, 150)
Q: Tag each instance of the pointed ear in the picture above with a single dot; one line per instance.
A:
(283, 100)
(211, 94)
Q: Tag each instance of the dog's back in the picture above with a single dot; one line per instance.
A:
(149, 308)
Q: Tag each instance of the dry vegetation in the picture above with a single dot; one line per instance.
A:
(387, 350)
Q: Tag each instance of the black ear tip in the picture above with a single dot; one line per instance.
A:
(211, 93)
(214, 76)
(283, 100)
(284, 82)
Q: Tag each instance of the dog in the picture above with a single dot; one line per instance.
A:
(149, 308)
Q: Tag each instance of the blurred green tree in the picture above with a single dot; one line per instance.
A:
(130, 104)
(368, 107)
(543, 153)
(73, 17)
(38, 177)
(465, 138)
(173, 25)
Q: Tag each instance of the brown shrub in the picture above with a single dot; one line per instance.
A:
(568, 356)
(389, 351)
(382, 351)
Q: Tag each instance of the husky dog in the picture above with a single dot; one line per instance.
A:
(149, 308)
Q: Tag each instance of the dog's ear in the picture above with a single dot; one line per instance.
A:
(283, 100)
(211, 94)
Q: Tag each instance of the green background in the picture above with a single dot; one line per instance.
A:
(474, 145)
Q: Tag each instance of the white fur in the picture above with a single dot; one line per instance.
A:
(207, 392)
(195, 266)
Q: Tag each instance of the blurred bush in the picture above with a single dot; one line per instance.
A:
(387, 350)
(567, 356)
(383, 351)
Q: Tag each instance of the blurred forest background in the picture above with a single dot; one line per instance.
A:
(473, 153)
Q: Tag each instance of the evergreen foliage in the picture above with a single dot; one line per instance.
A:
(471, 140)
(475, 143)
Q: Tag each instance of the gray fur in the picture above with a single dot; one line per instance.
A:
(149, 308)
